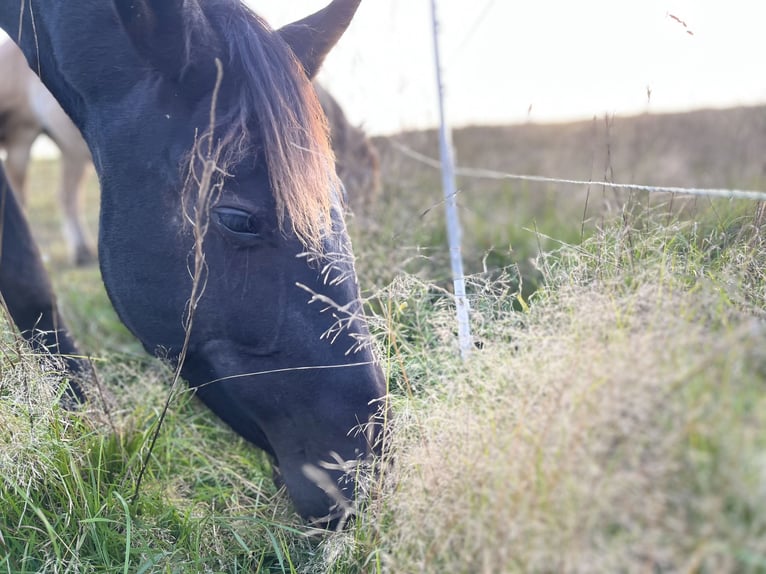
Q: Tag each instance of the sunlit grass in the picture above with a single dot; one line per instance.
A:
(617, 425)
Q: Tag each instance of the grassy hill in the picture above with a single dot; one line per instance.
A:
(612, 417)
(510, 222)
(703, 148)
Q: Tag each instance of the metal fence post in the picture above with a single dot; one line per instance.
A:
(450, 191)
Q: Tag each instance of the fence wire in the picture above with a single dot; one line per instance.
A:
(479, 173)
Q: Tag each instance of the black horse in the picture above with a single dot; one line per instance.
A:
(221, 242)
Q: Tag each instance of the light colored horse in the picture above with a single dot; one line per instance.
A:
(27, 110)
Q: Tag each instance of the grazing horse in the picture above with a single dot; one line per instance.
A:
(27, 109)
(221, 240)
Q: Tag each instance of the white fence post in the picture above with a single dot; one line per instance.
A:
(450, 191)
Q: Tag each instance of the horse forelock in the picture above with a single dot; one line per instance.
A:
(276, 111)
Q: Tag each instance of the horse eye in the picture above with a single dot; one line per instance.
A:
(238, 222)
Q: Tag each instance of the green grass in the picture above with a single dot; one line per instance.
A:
(611, 419)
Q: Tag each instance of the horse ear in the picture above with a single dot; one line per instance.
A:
(313, 37)
(154, 27)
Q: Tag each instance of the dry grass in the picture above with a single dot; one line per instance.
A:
(617, 426)
(28, 388)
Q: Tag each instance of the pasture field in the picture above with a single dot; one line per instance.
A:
(612, 417)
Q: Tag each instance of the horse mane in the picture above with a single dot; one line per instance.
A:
(274, 98)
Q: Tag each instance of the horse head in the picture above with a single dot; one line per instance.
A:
(221, 242)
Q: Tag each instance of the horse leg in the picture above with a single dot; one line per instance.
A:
(73, 167)
(28, 296)
(17, 161)
(75, 158)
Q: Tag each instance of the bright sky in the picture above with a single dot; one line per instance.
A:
(546, 60)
